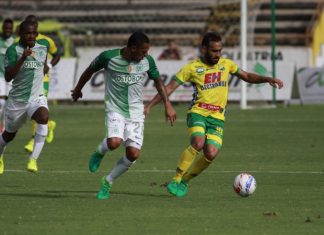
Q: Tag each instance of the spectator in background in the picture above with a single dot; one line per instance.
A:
(172, 52)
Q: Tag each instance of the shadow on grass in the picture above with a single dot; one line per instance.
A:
(77, 194)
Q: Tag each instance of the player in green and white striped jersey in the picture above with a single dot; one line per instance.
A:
(126, 70)
(6, 39)
(24, 66)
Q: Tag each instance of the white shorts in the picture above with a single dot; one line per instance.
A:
(17, 112)
(5, 87)
(131, 132)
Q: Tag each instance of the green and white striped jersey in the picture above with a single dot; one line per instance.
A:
(4, 44)
(124, 81)
(28, 83)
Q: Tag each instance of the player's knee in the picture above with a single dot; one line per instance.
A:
(198, 142)
(132, 154)
(211, 153)
(113, 143)
(8, 137)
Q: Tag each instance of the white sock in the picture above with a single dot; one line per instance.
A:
(2, 106)
(120, 168)
(2, 145)
(39, 140)
(103, 147)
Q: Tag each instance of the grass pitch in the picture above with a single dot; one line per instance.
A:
(283, 148)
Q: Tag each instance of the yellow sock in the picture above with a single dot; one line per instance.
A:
(201, 164)
(187, 158)
(34, 125)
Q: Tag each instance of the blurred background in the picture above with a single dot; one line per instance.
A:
(284, 39)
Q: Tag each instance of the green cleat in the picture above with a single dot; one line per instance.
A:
(172, 187)
(104, 190)
(94, 161)
(1, 165)
(182, 189)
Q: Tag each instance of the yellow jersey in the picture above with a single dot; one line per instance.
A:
(210, 84)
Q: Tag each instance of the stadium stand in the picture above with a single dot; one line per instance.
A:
(105, 23)
(293, 20)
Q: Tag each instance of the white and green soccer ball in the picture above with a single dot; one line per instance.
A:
(244, 184)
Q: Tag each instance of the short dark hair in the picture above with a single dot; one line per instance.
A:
(8, 20)
(23, 25)
(210, 37)
(31, 18)
(137, 39)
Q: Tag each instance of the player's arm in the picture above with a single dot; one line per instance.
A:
(12, 71)
(170, 114)
(85, 77)
(169, 89)
(255, 78)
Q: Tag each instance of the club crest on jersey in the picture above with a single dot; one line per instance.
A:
(200, 70)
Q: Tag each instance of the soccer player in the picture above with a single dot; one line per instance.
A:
(209, 75)
(24, 66)
(126, 70)
(6, 39)
(53, 52)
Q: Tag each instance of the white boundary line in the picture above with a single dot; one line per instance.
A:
(165, 171)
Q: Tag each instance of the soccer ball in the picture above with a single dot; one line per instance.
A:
(244, 184)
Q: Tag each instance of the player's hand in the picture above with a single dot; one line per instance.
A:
(147, 110)
(170, 113)
(276, 83)
(27, 52)
(76, 94)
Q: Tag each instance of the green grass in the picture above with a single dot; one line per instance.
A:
(283, 148)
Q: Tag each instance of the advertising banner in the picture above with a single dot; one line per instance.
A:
(310, 83)
(259, 61)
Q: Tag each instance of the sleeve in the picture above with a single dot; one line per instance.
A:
(153, 71)
(99, 62)
(10, 57)
(184, 75)
(52, 50)
(233, 68)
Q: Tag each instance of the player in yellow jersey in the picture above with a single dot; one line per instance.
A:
(205, 118)
(53, 52)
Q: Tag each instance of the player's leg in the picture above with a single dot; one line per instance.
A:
(51, 123)
(115, 125)
(15, 116)
(38, 111)
(134, 139)
(3, 97)
(212, 147)
(196, 128)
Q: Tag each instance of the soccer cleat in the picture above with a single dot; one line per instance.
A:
(32, 165)
(182, 188)
(104, 190)
(172, 187)
(1, 165)
(50, 135)
(94, 161)
(30, 145)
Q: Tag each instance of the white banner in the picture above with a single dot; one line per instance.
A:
(259, 61)
(311, 85)
(62, 79)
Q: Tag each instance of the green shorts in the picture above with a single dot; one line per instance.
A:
(210, 127)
